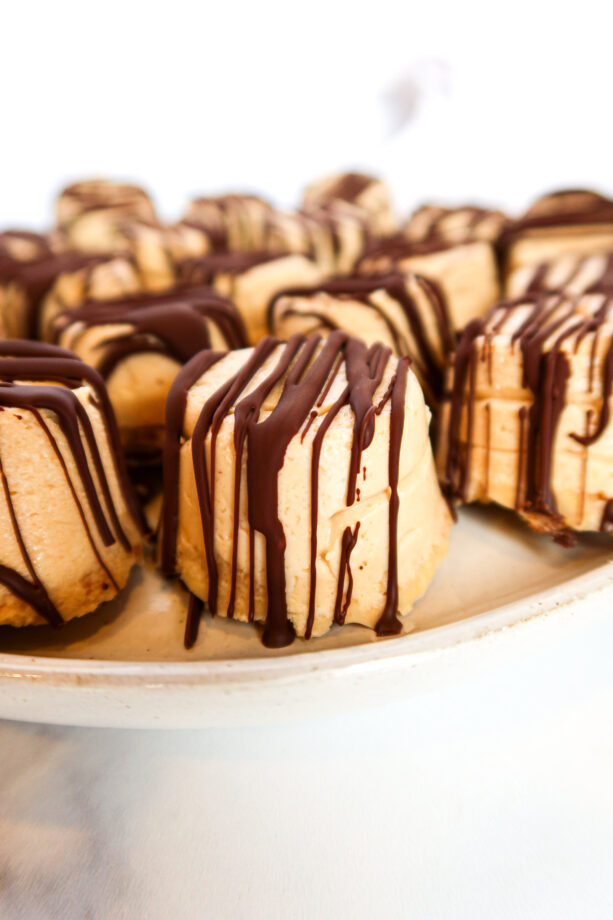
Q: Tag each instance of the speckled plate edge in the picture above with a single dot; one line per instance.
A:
(247, 690)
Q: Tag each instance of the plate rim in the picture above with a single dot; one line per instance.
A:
(409, 648)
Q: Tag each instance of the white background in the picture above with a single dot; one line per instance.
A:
(490, 799)
(511, 99)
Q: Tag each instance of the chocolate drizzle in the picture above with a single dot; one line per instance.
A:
(360, 288)
(607, 381)
(349, 187)
(383, 254)
(36, 275)
(205, 269)
(230, 222)
(21, 365)
(564, 210)
(547, 276)
(103, 195)
(389, 624)
(464, 224)
(242, 225)
(305, 369)
(174, 324)
(341, 605)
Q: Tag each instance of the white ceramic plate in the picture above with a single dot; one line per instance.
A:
(125, 665)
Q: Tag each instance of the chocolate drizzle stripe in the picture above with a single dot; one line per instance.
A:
(388, 623)
(32, 361)
(210, 421)
(350, 538)
(268, 442)
(349, 187)
(364, 374)
(65, 405)
(604, 415)
(192, 622)
(456, 473)
(53, 443)
(251, 614)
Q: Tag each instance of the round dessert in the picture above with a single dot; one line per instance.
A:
(528, 421)
(407, 313)
(29, 266)
(455, 225)
(70, 528)
(467, 273)
(138, 344)
(154, 248)
(296, 476)
(110, 220)
(368, 193)
(250, 280)
(88, 211)
(333, 236)
(234, 222)
(104, 278)
(567, 222)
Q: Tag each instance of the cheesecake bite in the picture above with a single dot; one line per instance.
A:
(232, 223)
(250, 280)
(367, 194)
(528, 416)
(30, 263)
(300, 489)
(466, 224)
(115, 219)
(407, 313)
(334, 237)
(567, 222)
(89, 212)
(71, 529)
(331, 233)
(139, 343)
(467, 273)
(105, 277)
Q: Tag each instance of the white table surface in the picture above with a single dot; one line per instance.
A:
(487, 799)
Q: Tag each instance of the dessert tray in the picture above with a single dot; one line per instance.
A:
(501, 590)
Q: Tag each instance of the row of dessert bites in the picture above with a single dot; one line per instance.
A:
(292, 526)
(299, 478)
(117, 326)
(106, 282)
(123, 317)
(527, 419)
